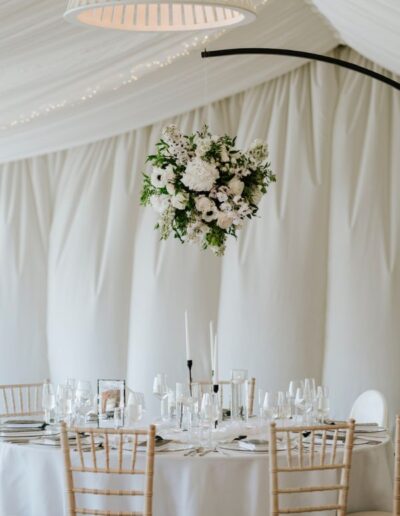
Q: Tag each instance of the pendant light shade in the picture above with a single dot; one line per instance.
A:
(160, 15)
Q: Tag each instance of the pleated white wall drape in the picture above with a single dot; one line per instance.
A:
(312, 288)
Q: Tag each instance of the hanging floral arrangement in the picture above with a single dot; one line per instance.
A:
(203, 187)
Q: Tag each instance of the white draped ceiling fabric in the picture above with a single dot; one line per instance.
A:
(312, 288)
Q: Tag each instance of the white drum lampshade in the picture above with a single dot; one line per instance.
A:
(160, 15)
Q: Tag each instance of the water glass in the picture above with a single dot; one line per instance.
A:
(210, 411)
(64, 403)
(83, 401)
(299, 404)
(119, 417)
(171, 405)
(48, 403)
(239, 387)
(322, 404)
(184, 407)
(269, 408)
(160, 389)
(196, 398)
(260, 399)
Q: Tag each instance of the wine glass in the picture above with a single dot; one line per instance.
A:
(210, 413)
(299, 403)
(309, 397)
(83, 400)
(48, 402)
(281, 405)
(269, 406)
(134, 409)
(261, 396)
(160, 389)
(196, 398)
(322, 403)
(64, 401)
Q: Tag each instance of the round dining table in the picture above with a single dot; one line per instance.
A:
(235, 483)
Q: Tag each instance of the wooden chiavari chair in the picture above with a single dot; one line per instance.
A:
(207, 384)
(97, 460)
(309, 457)
(24, 399)
(396, 487)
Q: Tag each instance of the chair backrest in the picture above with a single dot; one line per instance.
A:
(316, 450)
(370, 407)
(23, 399)
(396, 490)
(251, 383)
(103, 460)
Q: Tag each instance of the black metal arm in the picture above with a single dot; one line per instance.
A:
(304, 55)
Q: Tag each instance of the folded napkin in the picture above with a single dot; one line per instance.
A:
(16, 424)
(253, 444)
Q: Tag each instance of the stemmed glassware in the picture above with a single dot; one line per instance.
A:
(299, 404)
(210, 412)
(48, 402)
(83, 400)
(65, 403)
(160, 389)
(322, 403)
(196, 401)
(134, 409)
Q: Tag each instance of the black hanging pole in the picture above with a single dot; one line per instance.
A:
(303, 55)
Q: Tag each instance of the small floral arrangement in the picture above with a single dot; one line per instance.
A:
(203, 187)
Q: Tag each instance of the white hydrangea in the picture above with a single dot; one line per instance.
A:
(199, 175)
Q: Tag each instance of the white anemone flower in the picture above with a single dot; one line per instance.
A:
(158, 177)
(210, 214)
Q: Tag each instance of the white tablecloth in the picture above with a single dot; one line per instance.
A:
(32, 482)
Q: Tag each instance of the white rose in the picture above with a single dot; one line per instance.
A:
(158, 177)
(180, 200)
(171, 189)
(159, 202)
(199, 175)
(236, 186)
(224, 220)
(203, 203)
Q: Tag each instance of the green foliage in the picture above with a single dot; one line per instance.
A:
(180, 216)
